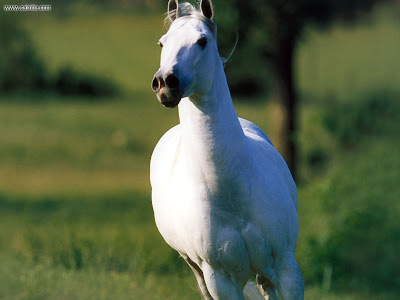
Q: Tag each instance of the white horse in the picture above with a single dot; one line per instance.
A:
(223, 197)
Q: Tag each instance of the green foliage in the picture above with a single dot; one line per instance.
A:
(349, 122)
(362, 211)
(317, 157)
(265, 28)
(20, 65)
(359, 202)
(246, 73)
(70, 82)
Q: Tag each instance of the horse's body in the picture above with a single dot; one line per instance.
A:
(223, 197)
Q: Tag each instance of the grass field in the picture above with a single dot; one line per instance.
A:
(343, 62)
(75, 207)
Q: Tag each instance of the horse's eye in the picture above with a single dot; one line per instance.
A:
(161, 44)
(202, 42)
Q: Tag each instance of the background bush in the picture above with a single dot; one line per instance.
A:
(68, 81)
(359, 203)
(22, 69)
(20, 65)
(247, 74)
(372, 114)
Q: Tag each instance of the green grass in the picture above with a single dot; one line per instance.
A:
(342, 61)
(75, 204)
(40, 281)
(123, 47)
(78, 146)
(87, 247)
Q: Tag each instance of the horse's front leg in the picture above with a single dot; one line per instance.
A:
(198, 273)
(222, 285)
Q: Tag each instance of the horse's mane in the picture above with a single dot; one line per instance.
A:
(187, 10)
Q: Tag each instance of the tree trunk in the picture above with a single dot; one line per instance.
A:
(281, 58)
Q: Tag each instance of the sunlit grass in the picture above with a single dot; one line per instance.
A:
(66, 142)
(342, 61)
(123, 47)
(41, 281)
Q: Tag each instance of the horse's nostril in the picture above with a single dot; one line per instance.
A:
(172, 81)
(155, 85)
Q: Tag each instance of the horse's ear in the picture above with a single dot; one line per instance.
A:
(207, 8)
(173, 9)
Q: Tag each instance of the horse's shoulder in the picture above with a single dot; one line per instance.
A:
(251, 130)
(165, 148)
(169, 137)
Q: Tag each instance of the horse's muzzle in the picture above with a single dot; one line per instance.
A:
(168, 89)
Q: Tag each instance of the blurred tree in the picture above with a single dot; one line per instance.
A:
(273, 29)
(20, 65)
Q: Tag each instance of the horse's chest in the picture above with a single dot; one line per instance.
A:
(207, 232)
(195, 203)
(189, 216)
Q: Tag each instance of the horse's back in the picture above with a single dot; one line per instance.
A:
(268, 158)
(273, 190)
(251, 129)
(269, 161)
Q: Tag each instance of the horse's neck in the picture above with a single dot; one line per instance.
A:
(212, 136)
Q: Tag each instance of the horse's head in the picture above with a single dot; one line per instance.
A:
(188, 55)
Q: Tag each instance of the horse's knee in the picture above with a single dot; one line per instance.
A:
(198, 273)
(231, 255)
(258, 248)
(290, 280)
(222, 285)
